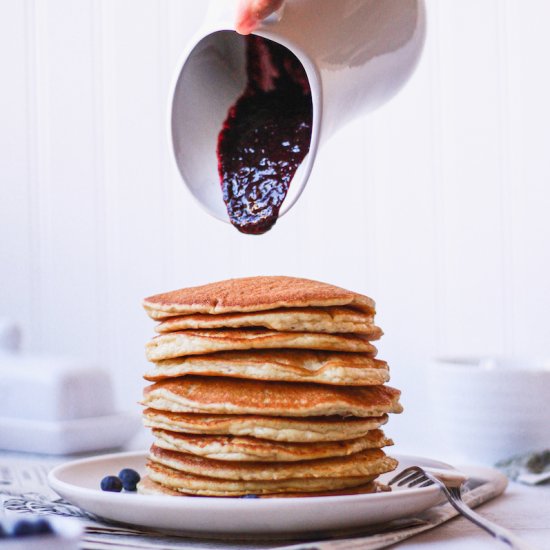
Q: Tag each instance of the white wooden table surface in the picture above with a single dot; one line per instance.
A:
(522, 509)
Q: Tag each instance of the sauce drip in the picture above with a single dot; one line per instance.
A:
(265, 137)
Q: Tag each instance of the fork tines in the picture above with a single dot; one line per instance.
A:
(412, 477)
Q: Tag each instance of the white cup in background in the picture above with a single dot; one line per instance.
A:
(489, 409)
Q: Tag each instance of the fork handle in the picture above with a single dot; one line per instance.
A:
(501, 534)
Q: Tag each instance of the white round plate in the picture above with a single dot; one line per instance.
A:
(78, 482)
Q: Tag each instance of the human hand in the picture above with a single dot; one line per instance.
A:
(252, 12)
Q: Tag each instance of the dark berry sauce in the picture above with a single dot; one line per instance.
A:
(265, 137)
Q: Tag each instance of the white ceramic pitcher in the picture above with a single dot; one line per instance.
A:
(356, 53)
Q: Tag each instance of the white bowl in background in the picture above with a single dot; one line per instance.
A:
(489, 409)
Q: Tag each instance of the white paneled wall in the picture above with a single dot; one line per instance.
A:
(436, 205)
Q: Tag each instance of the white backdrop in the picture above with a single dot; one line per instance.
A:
(437, 205)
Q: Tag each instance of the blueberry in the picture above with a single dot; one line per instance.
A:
(23, 528)
(112, 484)
(130, 478)
(43, 526)
(250, 496)
(27, 527)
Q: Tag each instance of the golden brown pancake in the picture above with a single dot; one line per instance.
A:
(275, 428)
(346, 369)
(364, 463)
(220, 447)
(215, 395)
(149, 487)
(197, 342)
(310, 319)
(253, 294)
(207, 486)
(370, 487)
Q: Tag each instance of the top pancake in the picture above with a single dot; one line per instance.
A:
(309, 319)
(253, 294)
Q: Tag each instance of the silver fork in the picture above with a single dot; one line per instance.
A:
(450, 482)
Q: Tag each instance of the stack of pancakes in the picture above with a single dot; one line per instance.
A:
(265, 386)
